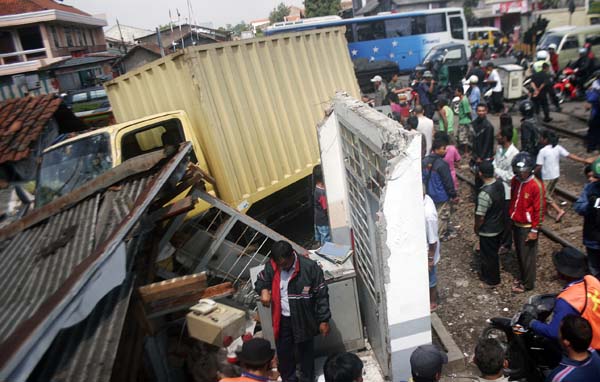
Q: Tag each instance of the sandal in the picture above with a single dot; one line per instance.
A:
(519, 288)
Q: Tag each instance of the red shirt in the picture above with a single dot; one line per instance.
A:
(527, 202)
(554, 62)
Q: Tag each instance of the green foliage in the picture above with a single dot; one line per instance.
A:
(238, 28)
(533, 35)
(469, 15)
(316, 8)
(278, 13)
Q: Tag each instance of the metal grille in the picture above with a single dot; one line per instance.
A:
(365, 176)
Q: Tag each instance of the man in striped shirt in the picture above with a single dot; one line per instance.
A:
(579, 364)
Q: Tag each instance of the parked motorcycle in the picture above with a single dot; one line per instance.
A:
(565, 87)
(531, 357)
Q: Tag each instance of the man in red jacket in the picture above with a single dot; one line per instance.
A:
(527, 207)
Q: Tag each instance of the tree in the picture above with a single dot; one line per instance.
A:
(316, 8)
(469, 15)
(238, 28)
(279, 13)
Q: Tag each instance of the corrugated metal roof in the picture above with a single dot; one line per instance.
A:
(48, 265)
(254, 104)
(86, 351)
(79, 61)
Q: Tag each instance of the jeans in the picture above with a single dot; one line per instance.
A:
(290, 353)
(541, 102)
(593, 256)
(490, 262)
(322, 234)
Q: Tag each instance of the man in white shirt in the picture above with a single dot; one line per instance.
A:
(505, 153)
(424, 127)
(548, 165)
(433, 247)
(494, 81)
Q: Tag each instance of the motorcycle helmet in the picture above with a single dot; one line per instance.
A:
(523, 162)
(541, 55)
(582, 51)
(570, 262)
(552, 46)
(526, 108)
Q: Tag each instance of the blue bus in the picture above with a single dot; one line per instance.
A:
(404, 38)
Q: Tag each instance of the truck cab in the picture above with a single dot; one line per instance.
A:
(454, 55)
(69, 164)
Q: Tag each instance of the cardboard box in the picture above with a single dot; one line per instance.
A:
(215, 326)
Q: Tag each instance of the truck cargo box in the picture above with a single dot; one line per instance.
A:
(253, 104)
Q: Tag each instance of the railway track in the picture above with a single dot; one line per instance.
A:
(550, 234)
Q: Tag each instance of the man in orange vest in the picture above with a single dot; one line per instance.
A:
(581, 297)
(255, 359)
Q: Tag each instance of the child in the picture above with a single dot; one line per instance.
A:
(548, 164)
(322, 230)
(399, 106)
(452, 157)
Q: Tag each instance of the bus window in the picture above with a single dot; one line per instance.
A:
(457, 28)
(370, 31)
(349, 33)
(398, 27)
(429, 24)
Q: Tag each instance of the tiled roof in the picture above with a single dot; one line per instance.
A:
(14, 7)
(22, 120)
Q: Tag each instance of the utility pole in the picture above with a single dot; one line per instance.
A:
(122, 39)
(162, 51)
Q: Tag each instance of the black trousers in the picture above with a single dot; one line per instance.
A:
(507, 234)
(290, 353)
(496, 99)
(526, 256)
(541, 102)
(593, 134)
(490, 262)
(593, 256)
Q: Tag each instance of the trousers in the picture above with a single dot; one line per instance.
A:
(526, 256)
(490, 262)
(290, 353)
(593, 256)
(507, 234)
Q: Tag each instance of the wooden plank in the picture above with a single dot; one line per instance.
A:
(162, 307)
(178, 286)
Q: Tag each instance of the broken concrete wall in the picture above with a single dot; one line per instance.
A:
(380, 166)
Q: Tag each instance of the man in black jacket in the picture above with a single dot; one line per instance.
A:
(483, 142)
(489, 223)
(530, 131)
(294, 287)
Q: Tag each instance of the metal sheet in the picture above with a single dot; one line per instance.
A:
(254, 104)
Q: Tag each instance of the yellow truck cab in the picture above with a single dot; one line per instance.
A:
(74, 161)
(486, 35)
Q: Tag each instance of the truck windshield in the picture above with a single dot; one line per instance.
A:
(71, 165)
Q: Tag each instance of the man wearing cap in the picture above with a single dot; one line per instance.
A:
(474, 95)
(255, 359)
(494, 81)
(489, 223)
(425, 89)
(294, 287)
(580, 297)
(588, 206)
(380, 91)
(426, 363)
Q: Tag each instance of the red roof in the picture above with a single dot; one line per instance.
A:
(22, 121)
(14, 7)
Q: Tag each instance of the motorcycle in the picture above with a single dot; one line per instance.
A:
(531, 357)
(565, 87)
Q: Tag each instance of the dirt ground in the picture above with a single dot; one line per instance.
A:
(465, 305)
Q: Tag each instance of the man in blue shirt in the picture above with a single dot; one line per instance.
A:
(426, 91)
(571, 266)
(592, 98)
(588, 206)
(579, 364)
(474, 95)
